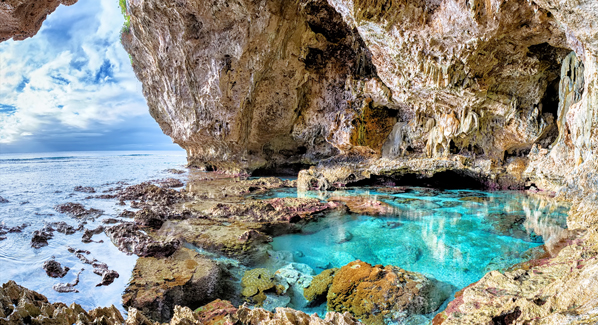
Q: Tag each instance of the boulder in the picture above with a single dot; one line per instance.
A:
(185, 278)
(378, 294)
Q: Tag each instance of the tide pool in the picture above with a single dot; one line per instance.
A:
(455, 236)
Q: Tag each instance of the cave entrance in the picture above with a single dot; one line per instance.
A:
(446, 180)
(552, 58)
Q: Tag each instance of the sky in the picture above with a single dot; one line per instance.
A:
(71, 87)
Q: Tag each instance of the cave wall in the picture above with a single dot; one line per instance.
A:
(249, 84)
(246, 84)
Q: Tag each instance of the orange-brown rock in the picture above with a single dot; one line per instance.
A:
(218, 312)
(364, 205)
(157, 285)
(378, 294)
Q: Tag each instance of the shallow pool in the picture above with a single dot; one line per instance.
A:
(455, 236)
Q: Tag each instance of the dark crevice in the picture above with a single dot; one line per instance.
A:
(280, 170)
(508, 318)
(442, 180)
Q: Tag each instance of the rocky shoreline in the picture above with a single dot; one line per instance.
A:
(193, 241)
(487, 94)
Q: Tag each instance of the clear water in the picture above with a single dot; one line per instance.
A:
(455, 236)
(35, 183)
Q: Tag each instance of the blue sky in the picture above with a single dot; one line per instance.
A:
(71, 87)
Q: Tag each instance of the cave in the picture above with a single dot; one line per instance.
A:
(446, 180)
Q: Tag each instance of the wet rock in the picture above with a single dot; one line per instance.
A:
(77, 251)
(148, 218)
(377, 294)
(393, 190)
(107, 275)
(131, 240)
(364, 205)
(110, 221)
(274, 301)
(317, 289)
(148, 193)
(68, 287)
(88, 234)
(77, 210)
(64, 228)
(54, 269)
(84, 189)
(169, 182)
(127, 214)
(184, 278)
(277, 216)
(17, 229)
(40, 238)
(236, 240)
(175, 171)
(3, 200)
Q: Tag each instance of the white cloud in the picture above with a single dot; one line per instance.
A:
(73, 74)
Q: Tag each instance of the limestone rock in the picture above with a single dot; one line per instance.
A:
(158, 284)
(377, 294)
(287, 316)
(19, 305)
(54, 269)
(252, 84)
(218, 312)
(21, 19)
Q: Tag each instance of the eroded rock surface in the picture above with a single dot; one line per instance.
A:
(377, 294)
(184, 278)
(21, 19)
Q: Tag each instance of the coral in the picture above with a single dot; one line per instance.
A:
(378, 295)
(318, 288)
(255, 282)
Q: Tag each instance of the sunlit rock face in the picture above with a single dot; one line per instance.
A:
(248, 84)
(20, 19)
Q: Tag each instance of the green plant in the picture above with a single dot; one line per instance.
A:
(123, 9)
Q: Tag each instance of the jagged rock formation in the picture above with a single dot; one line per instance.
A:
(270, 83)
(249, 84)
(21, 19)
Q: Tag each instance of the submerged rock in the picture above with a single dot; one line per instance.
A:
(3, 200)
(54, 269)
(84, 189)
(77, 210)
(377, 294)
(40, 238)
(88, 234)
(184, 278)
(255, 283)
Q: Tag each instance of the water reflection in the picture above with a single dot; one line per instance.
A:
(455, 236)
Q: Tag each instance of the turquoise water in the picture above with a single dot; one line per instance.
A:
(455, 236)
